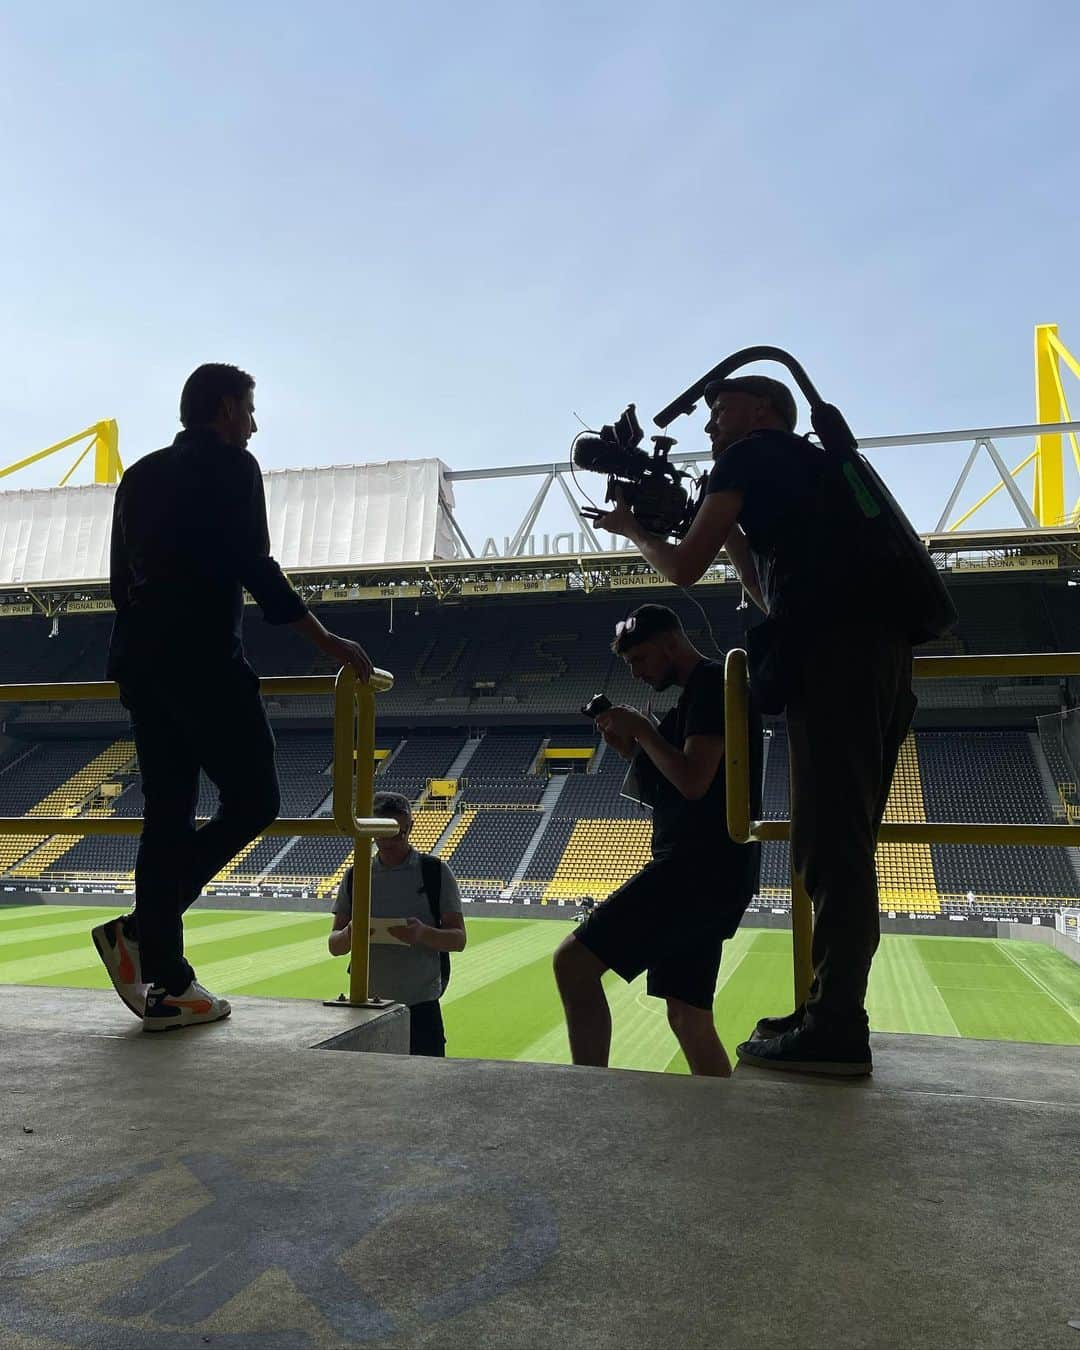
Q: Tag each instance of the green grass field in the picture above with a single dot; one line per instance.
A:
(502, 1004)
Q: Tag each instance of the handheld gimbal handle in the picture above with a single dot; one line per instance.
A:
(827, 420)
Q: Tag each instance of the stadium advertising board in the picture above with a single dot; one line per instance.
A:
(336, 594)
(1021, 562)
(89, 606)
(525, 586)
(10, 610)
(716, 576)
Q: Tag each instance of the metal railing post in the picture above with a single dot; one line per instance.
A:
(742, 827)
(802, 937)
(737, 745)
(364, 780)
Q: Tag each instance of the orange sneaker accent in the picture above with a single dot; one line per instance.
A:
(197, 1005)
(127, 965)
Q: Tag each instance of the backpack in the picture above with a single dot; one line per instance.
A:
(431, 871)
(878, 534)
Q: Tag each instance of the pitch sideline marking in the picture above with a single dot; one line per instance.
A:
(1035, 980)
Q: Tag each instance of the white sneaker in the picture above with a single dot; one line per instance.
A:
(120, 957)
(164, 1011)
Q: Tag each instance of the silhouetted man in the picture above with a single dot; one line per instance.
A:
(843, 667)
(189, 535)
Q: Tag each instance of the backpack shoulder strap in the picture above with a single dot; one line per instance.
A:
(431, 872)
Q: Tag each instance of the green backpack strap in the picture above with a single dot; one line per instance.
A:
(431, 872)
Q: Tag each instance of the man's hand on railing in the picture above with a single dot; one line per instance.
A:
(340, 649)
(348, 653)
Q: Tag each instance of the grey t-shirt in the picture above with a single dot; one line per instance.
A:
(407, 975)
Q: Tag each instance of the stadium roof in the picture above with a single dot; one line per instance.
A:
(352, 515)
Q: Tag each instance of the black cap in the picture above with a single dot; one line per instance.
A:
(647, 621)
(778, 395)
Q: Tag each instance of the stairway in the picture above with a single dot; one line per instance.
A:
(33, 853)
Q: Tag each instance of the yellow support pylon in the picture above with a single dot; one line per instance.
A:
(103, 438)
(1052, 405)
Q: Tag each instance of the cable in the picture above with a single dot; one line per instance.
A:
(573, 467)
(708, 625)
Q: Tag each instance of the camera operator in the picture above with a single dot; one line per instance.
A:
(843, 671)
(673, 917)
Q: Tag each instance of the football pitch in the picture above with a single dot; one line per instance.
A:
(502, 1004)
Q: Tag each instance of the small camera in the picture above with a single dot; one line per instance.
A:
(599, 703)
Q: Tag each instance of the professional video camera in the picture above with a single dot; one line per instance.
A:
(651, 486)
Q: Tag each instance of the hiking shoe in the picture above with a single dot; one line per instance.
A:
(120, 957)
(164, 1011)
(807, 1051)
(768, 1027)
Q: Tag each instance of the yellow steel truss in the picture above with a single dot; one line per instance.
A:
(103, 438)
(1051, 405)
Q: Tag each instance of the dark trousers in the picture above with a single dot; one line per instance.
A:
(849, 709)
(426, 1035)
(218, 725)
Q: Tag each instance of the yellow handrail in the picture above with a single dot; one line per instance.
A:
(353, 785)
(743, 828)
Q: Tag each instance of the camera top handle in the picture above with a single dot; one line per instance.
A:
(828, 421)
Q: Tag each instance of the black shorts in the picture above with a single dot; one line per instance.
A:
(671, 919)
(426, 1036)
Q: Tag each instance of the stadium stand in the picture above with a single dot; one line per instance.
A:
(495, 690)
(491, 847)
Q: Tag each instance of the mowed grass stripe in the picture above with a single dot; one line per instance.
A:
(1031, 975)
(904, 995)
(79, 954)
(18, 944)
(474, 969)
(1046, 967)
(501, 1018)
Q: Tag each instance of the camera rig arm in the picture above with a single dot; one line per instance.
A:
(828, 421)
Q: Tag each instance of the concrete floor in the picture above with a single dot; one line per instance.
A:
(228, 1187)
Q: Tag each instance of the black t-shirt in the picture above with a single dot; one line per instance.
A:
(189, 533)
(784, 517)
(699, 828)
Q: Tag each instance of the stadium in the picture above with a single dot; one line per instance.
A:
(494, 651)
(975, 992)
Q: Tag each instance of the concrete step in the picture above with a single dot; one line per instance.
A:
(222, 1186)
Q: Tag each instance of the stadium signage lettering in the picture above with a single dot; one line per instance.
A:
(88, 606)
(501, 587)
(10, 610)
(550, 546)
(717, 576)
(1026, 562)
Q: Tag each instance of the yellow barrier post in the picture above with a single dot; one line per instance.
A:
(740, 825)
(737, 745)
(802, 938)
(354, 790)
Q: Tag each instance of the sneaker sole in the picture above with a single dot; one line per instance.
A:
(101, 947)
(823, 1068)
(156, 1024)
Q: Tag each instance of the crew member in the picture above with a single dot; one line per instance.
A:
(843, 668)
(673, 917)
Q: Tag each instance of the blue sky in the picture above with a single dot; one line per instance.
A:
(442, 228)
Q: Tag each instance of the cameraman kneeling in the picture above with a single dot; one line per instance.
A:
(672, 918)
